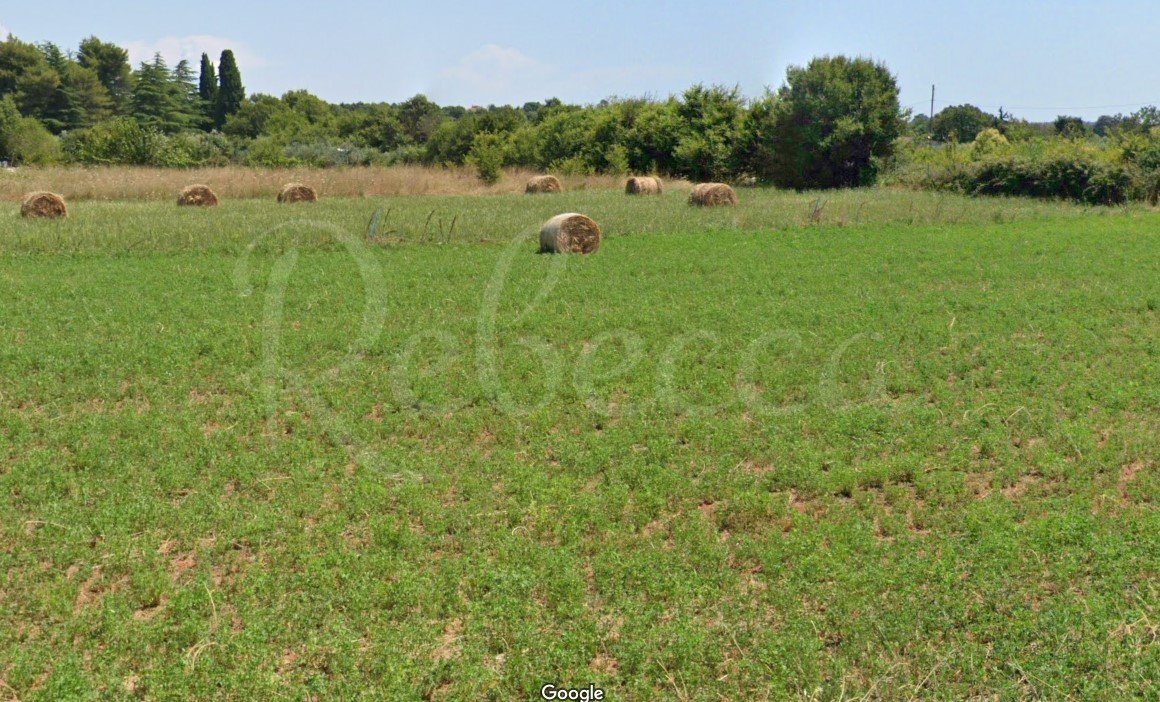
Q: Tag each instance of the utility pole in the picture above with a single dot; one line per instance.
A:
(932, 103)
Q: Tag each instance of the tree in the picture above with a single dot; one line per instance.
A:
(79, 101)
(961, 124)
(111, 64)
(834, 120)
(711, 124)
(187, 96)
(1070, 127)
(420, 118)
(377, 126)
(159, 101)
(231, 93)
(18, 58)
(207, 90)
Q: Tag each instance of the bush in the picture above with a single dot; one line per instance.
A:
(989, 142)
(267, 152)
(323, 154)
(120, 141)
(487, 155)
(28, 142)
(1066, 177)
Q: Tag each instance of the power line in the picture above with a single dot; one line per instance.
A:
(1026, 108)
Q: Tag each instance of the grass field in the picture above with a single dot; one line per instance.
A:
(908, 452)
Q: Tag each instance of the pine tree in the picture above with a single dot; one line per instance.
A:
(186, 96)
(231, 92)
(111, 64)
(207, 90)
(155, 103)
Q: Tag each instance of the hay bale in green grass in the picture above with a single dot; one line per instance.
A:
(43, 205)
(570, 233)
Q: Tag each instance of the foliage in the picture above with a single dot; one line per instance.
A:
(124, 141)
(111, 65)
(989, 142)
(231, 93)
(833, 121)
(711, 121)
(207, 89)
(1089, 172)
(487, 156)
(24, 140)
(1070, 127)
(961, 123)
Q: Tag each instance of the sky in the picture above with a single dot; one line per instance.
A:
(1036, 59)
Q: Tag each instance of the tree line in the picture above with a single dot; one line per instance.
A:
(835, 122)
(830, 124)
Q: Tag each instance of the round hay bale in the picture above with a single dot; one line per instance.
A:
(570, 233)
(42, 205)
(643, 185)
(712, 195)
(544, 184)
(297, 192)
(197, 196)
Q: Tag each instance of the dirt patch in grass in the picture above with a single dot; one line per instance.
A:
(1128, 473)
(1020, 487)
(448, 647)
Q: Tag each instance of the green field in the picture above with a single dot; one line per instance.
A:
(908, 451)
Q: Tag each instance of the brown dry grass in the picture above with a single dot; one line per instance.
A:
(236, 182)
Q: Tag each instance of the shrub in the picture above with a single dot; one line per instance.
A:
(267, 152)
(1071, 177)
(323, 154)
(487, 155)
(120, 141)
(27, 141)
(989, 142)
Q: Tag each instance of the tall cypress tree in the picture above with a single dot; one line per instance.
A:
(231, 92)
(207, 89)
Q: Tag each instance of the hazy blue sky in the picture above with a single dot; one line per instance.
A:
(1035, 58)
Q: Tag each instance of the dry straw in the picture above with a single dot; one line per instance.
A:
(297, 192)
(570, 233)
(712, 195)
(43, 205)
(197, 196)
(544, 184)
(643, 185)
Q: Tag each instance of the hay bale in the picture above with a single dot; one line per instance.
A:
(570, 233)
(297, 192)
(643, 185)
(544, 184)
(197, 196)
(42, 205)
(712, 195)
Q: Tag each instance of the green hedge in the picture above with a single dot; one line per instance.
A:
(1070, 178)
